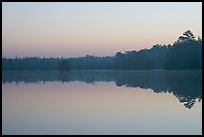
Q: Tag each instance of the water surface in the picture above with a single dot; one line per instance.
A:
(102, 102)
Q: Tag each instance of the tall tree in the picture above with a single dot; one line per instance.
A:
(64, 65)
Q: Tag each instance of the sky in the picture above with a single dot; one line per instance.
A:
(69, 29)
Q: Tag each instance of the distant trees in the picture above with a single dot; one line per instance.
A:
(153, 58)
(186, 37)
(64, 65)
(132, 60)
(92, 62)
(30, 63)
(184, 53)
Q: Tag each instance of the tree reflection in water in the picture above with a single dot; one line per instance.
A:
(185, 85)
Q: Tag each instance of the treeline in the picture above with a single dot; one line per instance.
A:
(154, 58)
(185, 53)
(30, 63)
(62, 64)
(92, 62)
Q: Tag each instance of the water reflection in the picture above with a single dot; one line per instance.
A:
(185, 85)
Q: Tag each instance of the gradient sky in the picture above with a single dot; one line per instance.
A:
(77, 29)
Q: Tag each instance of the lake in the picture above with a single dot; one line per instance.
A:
(102, 102)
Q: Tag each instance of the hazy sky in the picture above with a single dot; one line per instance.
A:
(77, 29)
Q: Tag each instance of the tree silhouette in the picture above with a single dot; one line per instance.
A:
(186, 37)
(189, 34)
(184, 53)
(64, 65)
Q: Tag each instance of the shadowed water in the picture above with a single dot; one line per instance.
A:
(102, 102)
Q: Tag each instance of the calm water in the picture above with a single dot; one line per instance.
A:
(102, 102)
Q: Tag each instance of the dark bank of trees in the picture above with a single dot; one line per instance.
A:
(185, 53)
(153, 58)
(92, 62)
(30, 63)
(64, 64)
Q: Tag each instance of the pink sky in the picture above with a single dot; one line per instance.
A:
(78, 29)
